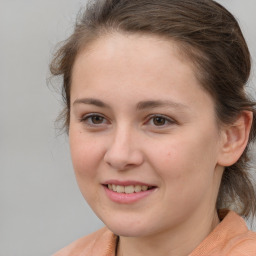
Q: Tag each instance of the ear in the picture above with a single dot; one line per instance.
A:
(235, 138)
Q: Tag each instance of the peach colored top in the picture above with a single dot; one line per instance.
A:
(230, 238)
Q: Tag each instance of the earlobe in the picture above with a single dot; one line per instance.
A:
(235, 138)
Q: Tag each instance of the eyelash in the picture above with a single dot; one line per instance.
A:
(87, 119)
(167, 120)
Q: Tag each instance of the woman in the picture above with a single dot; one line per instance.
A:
(159, 127)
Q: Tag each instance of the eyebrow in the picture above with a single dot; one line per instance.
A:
(159, 103)
(149, 104)
(91, 101)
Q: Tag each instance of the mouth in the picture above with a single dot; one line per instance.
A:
(130, 189)
(127, 192)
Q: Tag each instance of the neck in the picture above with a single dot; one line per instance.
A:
(179, 241)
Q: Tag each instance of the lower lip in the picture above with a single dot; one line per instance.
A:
(124, 198)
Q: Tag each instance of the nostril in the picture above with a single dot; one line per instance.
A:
(122, 159)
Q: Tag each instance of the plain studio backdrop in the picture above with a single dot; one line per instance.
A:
(41, 207)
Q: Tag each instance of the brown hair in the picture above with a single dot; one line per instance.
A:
(209, 36)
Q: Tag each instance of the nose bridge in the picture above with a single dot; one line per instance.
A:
(122, 137)
(123, 150)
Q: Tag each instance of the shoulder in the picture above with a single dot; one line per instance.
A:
(98, 243)
(230, 238)
(242, 245)
(239, 240)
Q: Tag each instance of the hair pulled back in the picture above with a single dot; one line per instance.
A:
(209, 36)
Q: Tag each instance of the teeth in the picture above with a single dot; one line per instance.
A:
(127, 189)
(144, 188)
(137, 188)
(120, 189)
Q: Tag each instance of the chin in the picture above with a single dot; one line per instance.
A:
(129, 229)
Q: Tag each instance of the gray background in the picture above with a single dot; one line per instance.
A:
(41, 207)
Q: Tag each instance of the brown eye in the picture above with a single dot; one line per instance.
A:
(97, 119)
(94, 120)
(159, 121)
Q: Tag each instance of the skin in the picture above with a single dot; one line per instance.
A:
(182, 154)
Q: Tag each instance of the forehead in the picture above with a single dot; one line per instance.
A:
(133, 64)
(123, 52)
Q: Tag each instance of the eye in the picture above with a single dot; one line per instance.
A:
(160, 121)
(97, 119)
(94, 120)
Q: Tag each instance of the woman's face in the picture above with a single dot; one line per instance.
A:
(141, 124)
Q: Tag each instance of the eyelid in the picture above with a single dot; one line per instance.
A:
(85, 118)
(167, 118)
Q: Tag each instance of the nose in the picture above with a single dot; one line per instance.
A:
(123, 151)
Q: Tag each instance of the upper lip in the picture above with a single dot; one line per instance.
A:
(127, 183)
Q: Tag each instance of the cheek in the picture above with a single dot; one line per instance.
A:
(187, 177)
(86, 154)
(186, 159)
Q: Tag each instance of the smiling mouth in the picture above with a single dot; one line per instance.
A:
(128, 189)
